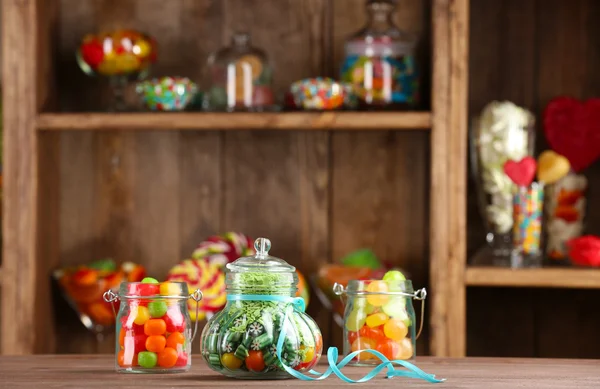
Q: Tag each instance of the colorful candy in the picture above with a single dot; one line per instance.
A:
(154, 335)
(318, 94)
(527, 214)
(379, 320)
(167, 93)
(121, 52)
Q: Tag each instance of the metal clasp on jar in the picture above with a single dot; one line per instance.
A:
(420, 295)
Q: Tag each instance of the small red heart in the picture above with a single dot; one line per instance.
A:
(572, 128)
(522, 172)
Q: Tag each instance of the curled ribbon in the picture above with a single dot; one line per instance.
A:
(332, 353)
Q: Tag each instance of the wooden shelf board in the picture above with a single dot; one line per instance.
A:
(550, 277)
(236, 121)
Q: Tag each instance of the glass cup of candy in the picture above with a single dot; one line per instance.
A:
(153, 326)
(121, 56)
(379, 315)
(83, 286)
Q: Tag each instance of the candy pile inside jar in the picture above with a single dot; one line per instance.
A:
(154, 332)
(261, 315)
(120, 52)
(380, 321)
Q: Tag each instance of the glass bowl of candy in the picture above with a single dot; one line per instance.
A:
(379, 315)
(167, 93)
(263, 332)
(120, 56)
(238, 78)
(319, 94)
(153, 325)
(83, 286)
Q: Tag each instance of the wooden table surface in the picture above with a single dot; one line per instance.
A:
(96, 371)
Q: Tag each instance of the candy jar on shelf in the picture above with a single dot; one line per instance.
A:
(263, 332)
(238, 78)
(380, 62)
(503, 131)
(121, 56)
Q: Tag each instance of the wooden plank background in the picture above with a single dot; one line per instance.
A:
(530, 52)
(151, 197)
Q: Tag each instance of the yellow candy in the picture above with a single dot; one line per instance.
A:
(169, 289)
(406, 349)
(142, 48)
(395, 329)
(376, 319)
(127, 63)
(377, 300)
(552, 167)
(108, 67)
(142, 315)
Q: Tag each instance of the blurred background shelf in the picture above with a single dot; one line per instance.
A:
(547, 277)
(236, 121)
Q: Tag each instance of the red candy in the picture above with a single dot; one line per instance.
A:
(174, 319)
(182, 360)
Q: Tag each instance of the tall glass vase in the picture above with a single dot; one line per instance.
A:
(502, 132)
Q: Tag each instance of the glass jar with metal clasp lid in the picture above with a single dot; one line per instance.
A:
(154, 329)
(379, 315)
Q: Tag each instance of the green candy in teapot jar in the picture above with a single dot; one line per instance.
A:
(263, 330)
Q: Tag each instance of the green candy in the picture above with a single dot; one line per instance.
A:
(104, 264)
(150, 280)
(157, 309)
(355, 320)
(362, 258)
(147, 359)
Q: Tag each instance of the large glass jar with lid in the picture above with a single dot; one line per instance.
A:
(380, 62)
(263, 332)
(238, 78)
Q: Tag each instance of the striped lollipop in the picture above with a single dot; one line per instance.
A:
(203, 275)
(225, 248)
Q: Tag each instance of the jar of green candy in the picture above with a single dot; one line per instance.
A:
(263, 332)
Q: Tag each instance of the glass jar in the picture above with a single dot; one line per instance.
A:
(528, 210)
(154, 327)
(239, 78)
(380, 62)
(379, 315)
(263, 332)
(503, 131)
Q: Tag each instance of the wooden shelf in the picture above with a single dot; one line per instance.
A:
(236, 121)
(552, 277)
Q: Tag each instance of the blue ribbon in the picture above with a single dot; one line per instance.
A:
(332, 353)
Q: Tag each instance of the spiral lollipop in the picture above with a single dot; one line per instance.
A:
(225, 248)
(206, 276)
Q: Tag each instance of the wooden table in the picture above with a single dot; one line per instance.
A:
(96, 371)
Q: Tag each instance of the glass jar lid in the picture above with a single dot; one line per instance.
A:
(261, 261)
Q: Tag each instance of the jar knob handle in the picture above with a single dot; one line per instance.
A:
(262, 247)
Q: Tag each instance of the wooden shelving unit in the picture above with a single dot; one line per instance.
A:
(82, 185)
(236, 121)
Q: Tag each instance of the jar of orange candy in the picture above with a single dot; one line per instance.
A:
(379, 315)
(153, 326)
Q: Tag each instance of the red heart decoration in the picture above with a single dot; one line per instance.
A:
(572, 129)
(585, 250)
(522, 172)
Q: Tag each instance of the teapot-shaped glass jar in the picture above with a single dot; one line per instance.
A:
(238, 78)
(263, 331)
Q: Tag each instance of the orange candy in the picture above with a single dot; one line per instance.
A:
(390, 349)
(167, 357)
(175, 339)
(363, 343)
(155, 327)
(156, 343)
(122, 334)
(132, 361)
